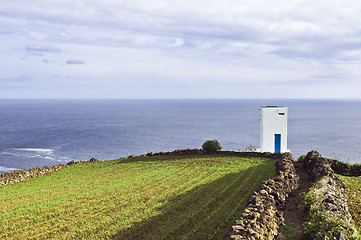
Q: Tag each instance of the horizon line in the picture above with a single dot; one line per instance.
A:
(70, 98)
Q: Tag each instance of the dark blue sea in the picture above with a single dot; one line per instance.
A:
(47, 132)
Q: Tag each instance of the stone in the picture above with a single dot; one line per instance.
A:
(22, 175)
(263, 192)
(72, 162)
(329, 194)
(263, 214)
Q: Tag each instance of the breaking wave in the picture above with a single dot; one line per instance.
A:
(40, 150)
(6, 169)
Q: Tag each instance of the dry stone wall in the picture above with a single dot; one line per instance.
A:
(327, 202)
(22, 175)
(346, 169)
(263, 214)
(200, 152)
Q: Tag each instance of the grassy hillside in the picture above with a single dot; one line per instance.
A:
(194, 197)
(353, 189)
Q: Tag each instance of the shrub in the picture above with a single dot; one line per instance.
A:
(250, 148)
(211, 146)
(301, 158)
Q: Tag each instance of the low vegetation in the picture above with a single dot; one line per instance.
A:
(353, 190)
(301, 158)
(250, 148)
(163, 197)
(321, 225)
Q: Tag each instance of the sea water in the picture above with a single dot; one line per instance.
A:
(36, 133)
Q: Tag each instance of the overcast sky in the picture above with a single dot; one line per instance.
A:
(180, 49)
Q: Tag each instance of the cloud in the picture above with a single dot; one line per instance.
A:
(204, 43)
(41, 49)
(17, 79)
(162, 25)
(73, 61)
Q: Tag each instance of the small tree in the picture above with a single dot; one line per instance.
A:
(211, 146)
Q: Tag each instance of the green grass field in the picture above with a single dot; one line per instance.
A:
(173, 197)
(353, 190)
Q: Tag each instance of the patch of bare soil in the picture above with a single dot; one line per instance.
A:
(294, 213)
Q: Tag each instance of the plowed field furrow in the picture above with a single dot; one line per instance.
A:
(132, 198)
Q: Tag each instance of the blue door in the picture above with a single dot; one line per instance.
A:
(277, 143)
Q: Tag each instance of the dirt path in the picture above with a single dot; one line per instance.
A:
(294, 213)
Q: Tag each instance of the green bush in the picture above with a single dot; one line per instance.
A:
(211, 146)
(301, 158)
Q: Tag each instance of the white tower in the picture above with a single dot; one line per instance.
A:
(274, 129)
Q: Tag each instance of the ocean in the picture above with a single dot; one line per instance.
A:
(36, 133)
